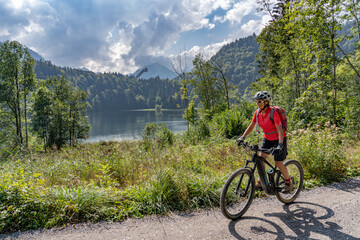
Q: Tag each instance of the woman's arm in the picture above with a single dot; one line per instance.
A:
(280, 130)
(249, 129)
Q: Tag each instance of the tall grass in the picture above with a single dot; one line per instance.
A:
(111, 181)
(320, 151)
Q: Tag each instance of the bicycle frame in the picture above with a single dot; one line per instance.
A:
(239, 189)
(267, 184)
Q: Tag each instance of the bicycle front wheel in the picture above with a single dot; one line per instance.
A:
(296, 174)
(237, 194)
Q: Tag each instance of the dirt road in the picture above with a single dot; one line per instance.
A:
(331, 212)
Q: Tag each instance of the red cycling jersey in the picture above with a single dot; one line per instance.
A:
(267, 125)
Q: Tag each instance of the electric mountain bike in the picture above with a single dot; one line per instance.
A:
(238, 191)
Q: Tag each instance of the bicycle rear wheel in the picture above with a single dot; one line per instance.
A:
(237, 193)
(296, 173)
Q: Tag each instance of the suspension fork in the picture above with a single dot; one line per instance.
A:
(252, 170)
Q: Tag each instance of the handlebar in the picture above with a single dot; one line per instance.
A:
(255, 148)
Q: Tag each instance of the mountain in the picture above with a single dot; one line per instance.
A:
(84, 69)
(155, 70)
(115, 91)
(35, 55)
(237, 59)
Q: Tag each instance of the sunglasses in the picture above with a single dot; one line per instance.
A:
(259, 101)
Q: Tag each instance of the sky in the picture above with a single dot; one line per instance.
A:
(125, 35)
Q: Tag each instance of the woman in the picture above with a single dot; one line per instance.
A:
(274, 135)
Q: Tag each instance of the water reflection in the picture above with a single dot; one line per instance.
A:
(121, 125)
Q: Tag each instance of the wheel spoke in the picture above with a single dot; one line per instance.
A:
(237, 194)
(296, 175)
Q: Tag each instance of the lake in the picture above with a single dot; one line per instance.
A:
(125, 125)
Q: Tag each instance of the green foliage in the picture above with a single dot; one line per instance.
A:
(109, 91)
(163, 193)
(158, 134)
(238, 61)
(320, 152)
(304, 66)
(158, 109)
(197, 133)
(212, 90)
(17, 80)
(190, 113)
(60, 113)
(230, 123)
(111, 181)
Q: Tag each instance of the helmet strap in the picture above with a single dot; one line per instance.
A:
(265, 106)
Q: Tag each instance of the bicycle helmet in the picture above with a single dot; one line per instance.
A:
(264, 95)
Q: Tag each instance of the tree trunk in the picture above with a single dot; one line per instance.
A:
(26, 124)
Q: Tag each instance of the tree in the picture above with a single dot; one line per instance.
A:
(179, 67)
(223, 81)
(29, 84)
(352, 13)
(60, 113)
(17, 80)
(299, 55)
(43, 112)
(205, 85)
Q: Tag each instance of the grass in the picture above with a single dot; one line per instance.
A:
(111, 181)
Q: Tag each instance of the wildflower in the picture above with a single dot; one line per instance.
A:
(327, 124)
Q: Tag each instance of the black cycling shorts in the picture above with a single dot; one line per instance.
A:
(266, 144)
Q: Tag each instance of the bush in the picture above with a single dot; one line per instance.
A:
(197, 133)
(230, 123)
(157, 133)
(320, 152)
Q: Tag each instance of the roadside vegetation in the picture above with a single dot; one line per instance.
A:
(48, 178)
(111, 181)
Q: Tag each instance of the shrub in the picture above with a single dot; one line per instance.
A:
(197, 133)
(157, 133)
(320, 152)
(230, 123)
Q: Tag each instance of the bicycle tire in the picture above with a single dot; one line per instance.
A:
(296, 173)
(232, 204)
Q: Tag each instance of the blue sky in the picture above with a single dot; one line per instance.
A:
(123, 35)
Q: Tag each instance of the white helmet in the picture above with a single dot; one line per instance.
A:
(264, 95)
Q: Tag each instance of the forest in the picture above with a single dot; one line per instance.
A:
(114, 91)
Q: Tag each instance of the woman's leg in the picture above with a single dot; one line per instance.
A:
(283, 169)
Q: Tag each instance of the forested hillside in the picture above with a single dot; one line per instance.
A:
(237, 59)
(118, 91)
(109, 91)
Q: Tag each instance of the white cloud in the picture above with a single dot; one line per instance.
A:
(4, 32)
(113, 35)
(240, 10)
(33, 28)
(253, 26)
(206, 51)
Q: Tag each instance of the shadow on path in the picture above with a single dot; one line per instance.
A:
(303, 218)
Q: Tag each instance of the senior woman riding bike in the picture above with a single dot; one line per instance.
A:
(274, 135)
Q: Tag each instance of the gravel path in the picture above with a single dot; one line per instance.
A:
(331, 212)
